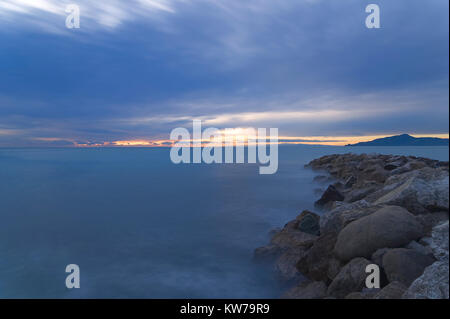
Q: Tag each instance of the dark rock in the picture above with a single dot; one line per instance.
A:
(308, 222)
(350, 279)
(289, 236)
(350, 181)
(434, 283)
(377, 256)
(394, 290)
(316, 261)
(286, 264)
(405, 265)
(330, 195)
(361, 295)
(421, 249)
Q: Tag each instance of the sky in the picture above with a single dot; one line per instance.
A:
(136, 69)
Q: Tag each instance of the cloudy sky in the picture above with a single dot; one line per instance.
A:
(136, 69)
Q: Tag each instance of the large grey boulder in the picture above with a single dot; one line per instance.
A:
(420, 191)
(405, 265)
(351, 278)
(307, 290)
(389, 227)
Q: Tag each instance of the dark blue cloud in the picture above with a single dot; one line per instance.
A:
(138, 70)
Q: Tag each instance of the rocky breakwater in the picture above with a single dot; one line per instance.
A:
(387, 210)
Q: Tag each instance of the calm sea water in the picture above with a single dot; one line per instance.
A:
(141, 227)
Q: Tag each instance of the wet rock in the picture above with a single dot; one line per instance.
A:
(330, 195)
(308, 222)
(405, 265)
(389, 227)
(286, 264)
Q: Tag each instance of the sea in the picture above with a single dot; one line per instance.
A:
(139, 226)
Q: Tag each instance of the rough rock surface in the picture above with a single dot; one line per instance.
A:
(434, 283)
(419, 191)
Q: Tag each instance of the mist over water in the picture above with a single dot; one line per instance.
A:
(140, 226)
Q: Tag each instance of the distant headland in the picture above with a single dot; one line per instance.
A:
(405, 140)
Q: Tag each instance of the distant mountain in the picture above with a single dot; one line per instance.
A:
(405, 140)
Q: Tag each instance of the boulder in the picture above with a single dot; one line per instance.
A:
(405, 265)
(285, 266)
(308, 222)
(289, 236)
(433, 284)
(334, 267)
(432, 219)
(420, 191)
(307, 290)
(316, 261)
(421, 249)
(377, 256)
(439, 242)
(350, 279)
(330, 195)
(344, 213)
(394, 290)
(388, 227)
